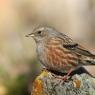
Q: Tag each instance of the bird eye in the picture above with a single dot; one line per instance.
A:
(39, 32)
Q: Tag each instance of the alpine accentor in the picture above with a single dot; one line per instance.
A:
(57, 52)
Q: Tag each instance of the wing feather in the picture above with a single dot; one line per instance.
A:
(69, 44)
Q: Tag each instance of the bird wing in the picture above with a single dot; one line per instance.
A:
(69, 44)
(78, 49)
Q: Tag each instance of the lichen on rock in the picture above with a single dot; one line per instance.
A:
(48, 83)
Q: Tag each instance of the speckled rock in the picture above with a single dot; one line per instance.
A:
(52, 84)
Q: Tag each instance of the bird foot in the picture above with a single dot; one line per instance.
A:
(65, 78)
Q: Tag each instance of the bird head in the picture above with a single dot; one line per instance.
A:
(40, 34)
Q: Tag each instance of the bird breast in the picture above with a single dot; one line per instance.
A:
(59, 58)
(55, 57)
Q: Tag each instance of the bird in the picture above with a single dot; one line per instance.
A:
(58, 52)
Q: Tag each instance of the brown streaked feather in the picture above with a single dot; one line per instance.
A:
(72, 57)
(72, 62)
(77, 48)
(85, 52)
(69, 44)
(59, 58)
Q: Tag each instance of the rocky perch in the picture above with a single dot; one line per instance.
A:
(48, 83)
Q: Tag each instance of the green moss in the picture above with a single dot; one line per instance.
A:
(19, 86)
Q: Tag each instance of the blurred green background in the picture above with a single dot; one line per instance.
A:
(18, 62)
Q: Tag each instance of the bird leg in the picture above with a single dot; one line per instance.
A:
(65, 78)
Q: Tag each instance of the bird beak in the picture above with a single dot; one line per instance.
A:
(30, 35)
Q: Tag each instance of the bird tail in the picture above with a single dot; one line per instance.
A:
(91, 60)
(88, 60)
(93, 56)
